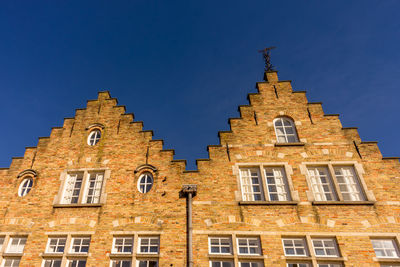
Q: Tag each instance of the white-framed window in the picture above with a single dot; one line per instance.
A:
(94, 137)
(25, 186)
(80, 244)
(16, 245)
(298, 264)
(145, 182)
(221, 263)
(248, 246)
(220, 245)
(76, 263)
(94, 186)
(147, 263)
(285, 130)
(2, 238)
(325, 247)
(83, 187)
(72, 188)
(348, 183)
(122, 245)
(10, 262)
(121, 263)
(295, 247)
(148, 244)
(250, 180)
(56, 244)
(335, 182)
(250, 264)
(52, 262)
(321, 183)
(277, 184)
(385, 248)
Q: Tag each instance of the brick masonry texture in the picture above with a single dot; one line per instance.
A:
(124, 147)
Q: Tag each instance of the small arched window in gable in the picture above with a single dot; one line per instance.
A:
(285, 130)
(94, 137)
(145, 182)
(25, 186)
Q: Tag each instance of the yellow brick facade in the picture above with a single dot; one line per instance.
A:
(125, 151)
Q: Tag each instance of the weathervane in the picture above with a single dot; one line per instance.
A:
(267, 58)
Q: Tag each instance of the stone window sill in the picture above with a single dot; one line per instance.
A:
(298, 258)
(221, 256)
(52, 255)
(326, 259)
(121, 255)
(97, 205)
(8, 254)
(252, 257)
(147, 255)
(343, 202)
(388, 260)
(263, 203)
(290, 144)
(78, 255)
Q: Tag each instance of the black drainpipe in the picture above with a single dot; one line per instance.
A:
(189, 191)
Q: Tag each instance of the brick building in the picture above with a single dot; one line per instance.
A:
(286, 186)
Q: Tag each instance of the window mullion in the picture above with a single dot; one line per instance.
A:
(263, 183)
(335, 183)
(82, 192)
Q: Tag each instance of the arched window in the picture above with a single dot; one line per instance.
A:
(145, 182)
(94, 137)
(25, 187)
(285, 130)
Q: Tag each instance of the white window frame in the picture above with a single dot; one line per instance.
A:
(25, 188)
(352, 183)
(259, 263)
(114, 249)
(250, 196)
(94, 137)
(148, 260)
(57, 245)
(122, 259)
(51, 259)
(139, 246)
(222, 261)
(318, 186)
(144, 175)
(220, 245)
(307, 263)
(325, 247)
(68, 186)
(82, 238)
(304, 247)
(280, 183)
(394, 244)
(247, 238)
(330, 264)
(3, 262)
(284, 133)
(19, 251)
(69, 261)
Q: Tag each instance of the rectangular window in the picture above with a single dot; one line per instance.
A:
(276, 183)
(220, 245)
(385, 248)
(325, 247)
(251, 184)
(299, 264)
(250, 264)
(11, 262)
(148, 245)
(52, 263)
(147, 263)
(295, 247)
(1, 242)
(221, 263)
(348, 183)
(80, 245)
(72, 188)
(16, 245)
(122, 245)
(56, 245)
(321, 183)
(249, 246)
(93, 190)
(121, 263)
(77, 263)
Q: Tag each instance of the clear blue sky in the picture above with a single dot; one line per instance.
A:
(183, 67)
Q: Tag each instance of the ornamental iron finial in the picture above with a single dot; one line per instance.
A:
(267, 58)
